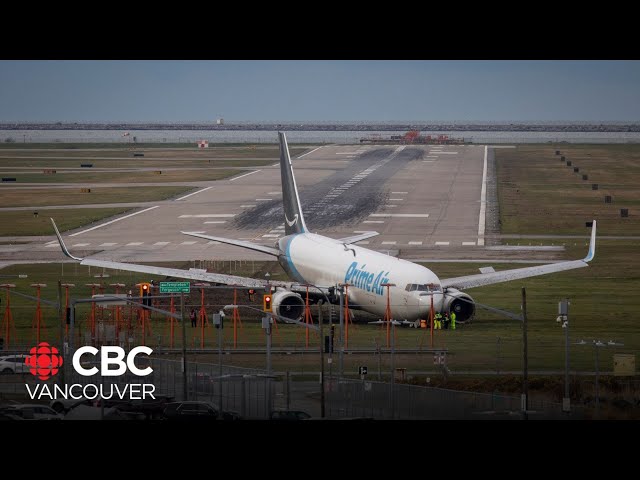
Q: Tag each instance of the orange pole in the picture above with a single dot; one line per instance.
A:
(346, 316)
(202, 317)
(432, 319)
(387, 316)
(8, 317)
(172, 310)
(307, 312)
(235, 314)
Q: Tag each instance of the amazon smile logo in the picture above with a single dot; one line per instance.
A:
(289, 222)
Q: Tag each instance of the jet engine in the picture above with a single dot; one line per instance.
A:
(287, 304)
(460, 303)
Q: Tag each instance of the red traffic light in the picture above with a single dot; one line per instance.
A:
(266, 303)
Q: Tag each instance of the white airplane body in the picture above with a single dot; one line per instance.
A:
(321, 264)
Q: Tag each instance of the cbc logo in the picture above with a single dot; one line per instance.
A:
(44, 361)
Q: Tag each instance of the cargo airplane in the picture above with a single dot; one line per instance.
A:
(325, 263)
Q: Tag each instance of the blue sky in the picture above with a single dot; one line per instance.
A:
(177, 91)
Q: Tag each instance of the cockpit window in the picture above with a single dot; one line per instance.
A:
(424, 287)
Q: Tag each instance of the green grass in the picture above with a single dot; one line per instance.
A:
(126, 177)
(23, 222)
(539, 194)
(74, 196)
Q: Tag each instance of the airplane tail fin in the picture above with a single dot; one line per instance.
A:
(294, 221)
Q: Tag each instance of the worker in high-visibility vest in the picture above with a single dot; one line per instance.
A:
(453, 320)
(437, 324)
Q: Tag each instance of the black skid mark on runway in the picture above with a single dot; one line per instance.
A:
(350, 207)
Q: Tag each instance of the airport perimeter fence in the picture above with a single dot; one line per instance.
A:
(378, 400)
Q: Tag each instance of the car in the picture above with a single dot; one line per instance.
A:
(190, 411)
(32, 412)
(289, 415)
(13, 364)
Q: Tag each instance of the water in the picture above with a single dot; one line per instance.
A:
(302, 136)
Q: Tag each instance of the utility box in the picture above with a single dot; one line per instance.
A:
(624, 365)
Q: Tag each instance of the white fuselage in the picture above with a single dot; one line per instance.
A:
(323, 261)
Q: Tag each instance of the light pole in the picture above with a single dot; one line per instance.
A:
(596, 345)
(563, 317)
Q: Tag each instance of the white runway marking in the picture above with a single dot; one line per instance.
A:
(193, 193)
(188, 243)
(345, 153)
(483, 201)
(216, 221)
(134, 244)
(276, 231)
(415, 243)
(52, 245)
(428, 161)
(113, 221)
(247, 206)
(274, 193)
(263, 199)
(270, 235)
(390, 206)
(162, 243)
(107, 244)
(396, 199)
(442, 243)
(468, 243)
(389, 243)
(401, 215)
(447, 153)
(399, 193)
(210, 215)
(304, 154)
(80, 244)
(250, 173)
(373, 221)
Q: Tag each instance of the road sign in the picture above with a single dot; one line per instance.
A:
(175, 287)
(362, 370)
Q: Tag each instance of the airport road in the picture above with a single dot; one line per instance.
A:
(420, 198)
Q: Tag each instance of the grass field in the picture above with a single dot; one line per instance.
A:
(75, 196)
(539, 194)
(128, 177)
(23, 222)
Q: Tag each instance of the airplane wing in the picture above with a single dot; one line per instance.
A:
(357, 238)
(176, 272)
(479, 280)
(240, 243)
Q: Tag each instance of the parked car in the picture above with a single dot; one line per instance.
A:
(289, 415)
(32, 412)
(13, 364)
(190, 411)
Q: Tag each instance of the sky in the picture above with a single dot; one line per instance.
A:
(324, 91)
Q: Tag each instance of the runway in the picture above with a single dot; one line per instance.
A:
(420, 198)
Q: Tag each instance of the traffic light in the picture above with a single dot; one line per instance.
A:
(146, 301)
(251, 293)
(266, 303)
